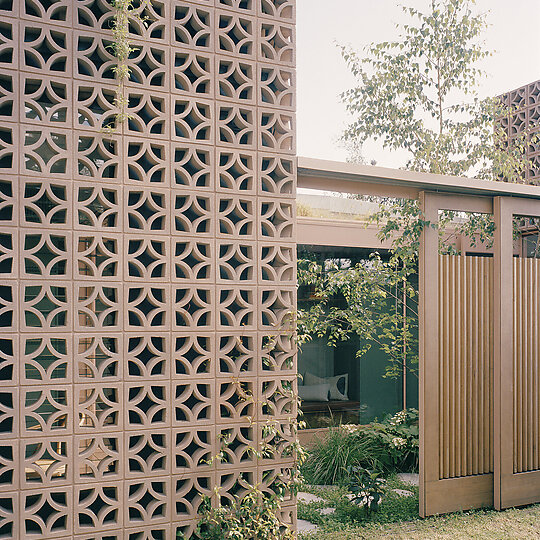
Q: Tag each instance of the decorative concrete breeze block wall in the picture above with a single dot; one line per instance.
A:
(524, 114)
(144, 272)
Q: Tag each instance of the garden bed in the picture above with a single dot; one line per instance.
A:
(399, 505)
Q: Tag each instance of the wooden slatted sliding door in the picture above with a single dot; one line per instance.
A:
(456, 369)
(526, 365)
(517, 363)
(466, 366)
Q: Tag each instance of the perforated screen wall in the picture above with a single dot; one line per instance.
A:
(524, 105)
(143, 272)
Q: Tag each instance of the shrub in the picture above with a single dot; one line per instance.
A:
(366, 487)
(329, 458)
(253, 517)
(387, 446)
(400, 435)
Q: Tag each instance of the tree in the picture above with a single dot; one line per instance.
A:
(412, 94)
(418, 93)
(370, 299)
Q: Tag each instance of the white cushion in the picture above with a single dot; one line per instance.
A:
(314, 392)
(339, 385)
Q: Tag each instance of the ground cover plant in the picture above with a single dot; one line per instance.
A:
(392, 507)
(399, 521)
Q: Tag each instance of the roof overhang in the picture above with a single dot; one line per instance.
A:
(380, 181)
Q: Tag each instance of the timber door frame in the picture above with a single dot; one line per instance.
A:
(440, 495)
(510, 489)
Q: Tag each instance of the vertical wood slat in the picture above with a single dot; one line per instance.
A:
(518, 333)
(475, 369)
(443, 319)
(466, 356)
(488, 359)
(533, 365)
(526, 342)
(536, 371)
(460, 365)
(481, 329)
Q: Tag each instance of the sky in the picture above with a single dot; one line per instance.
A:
(513, 35)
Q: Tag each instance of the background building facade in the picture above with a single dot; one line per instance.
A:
(147, 272)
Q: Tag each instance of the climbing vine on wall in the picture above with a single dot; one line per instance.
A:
(121, 48)
(255, 514)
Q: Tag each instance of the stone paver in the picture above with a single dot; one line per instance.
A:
(308, 497)
(306, 526)
(326, 511)
(403, 492)
(409, 478)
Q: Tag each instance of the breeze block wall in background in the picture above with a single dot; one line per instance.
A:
(147, 275)
(524, 115)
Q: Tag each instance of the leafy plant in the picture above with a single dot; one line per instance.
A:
(400, 434)
(393, 507)
(419, 94)
(374, 299)
(367, 488)
(253, 517)
(256, 515)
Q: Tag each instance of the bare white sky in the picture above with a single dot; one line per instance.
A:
(514, 35)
